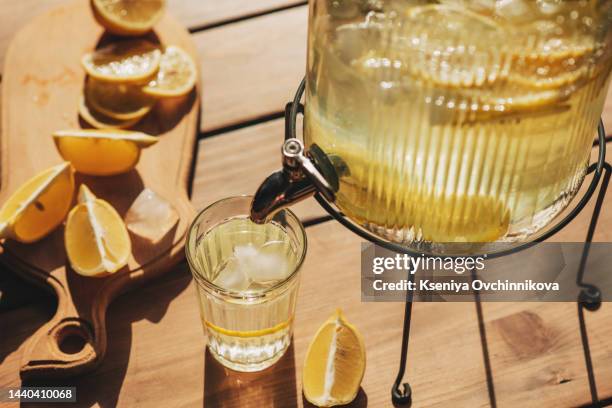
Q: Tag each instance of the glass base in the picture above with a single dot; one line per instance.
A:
(248, 354)
(248, 367)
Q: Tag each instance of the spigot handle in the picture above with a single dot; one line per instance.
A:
(299, 165)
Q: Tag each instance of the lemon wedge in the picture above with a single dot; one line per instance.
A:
(335, 363)
(101, 152)
(123, 61)
(97, 242)
(39, 205)
(176, 76)
(128, 17)
(117, 100)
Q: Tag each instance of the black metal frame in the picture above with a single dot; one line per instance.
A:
(589, 297)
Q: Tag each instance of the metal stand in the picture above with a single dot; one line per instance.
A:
(589, 297)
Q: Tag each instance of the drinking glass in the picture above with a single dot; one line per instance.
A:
(247, 279)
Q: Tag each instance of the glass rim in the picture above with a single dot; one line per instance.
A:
(218, 290)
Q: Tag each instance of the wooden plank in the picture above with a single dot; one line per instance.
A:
(156, 342)
(192, 13)
(537, 353)
(251, 68)
(198, 13)
(237, 162)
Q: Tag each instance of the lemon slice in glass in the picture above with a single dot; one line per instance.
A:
(128, 17)
(39, 205)
(97, 242)
(176, 76)
(335, 363)
(116, 100)
(102, 152)
(123, 61)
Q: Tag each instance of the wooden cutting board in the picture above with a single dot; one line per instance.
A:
(41, 84)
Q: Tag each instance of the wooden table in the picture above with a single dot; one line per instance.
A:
(253, 56)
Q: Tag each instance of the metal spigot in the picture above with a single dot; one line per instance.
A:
(299, 178)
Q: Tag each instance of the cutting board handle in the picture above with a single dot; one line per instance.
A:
(64, 346)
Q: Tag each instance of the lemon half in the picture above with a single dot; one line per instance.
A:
(96, 239)
(123, 61)
(39, 205)
(335, 363)
(101, 152)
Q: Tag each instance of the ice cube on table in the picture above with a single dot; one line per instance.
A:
(233, 276)
(150, 216)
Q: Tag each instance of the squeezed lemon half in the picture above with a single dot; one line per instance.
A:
(101, 152)
(128, 17)
(335, 363)
(176, 75)
(39, 205)
(96, 239)
(123, 61)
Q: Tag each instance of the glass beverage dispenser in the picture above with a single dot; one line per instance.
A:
(447, 121)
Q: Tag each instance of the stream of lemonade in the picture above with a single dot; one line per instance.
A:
(456, 121)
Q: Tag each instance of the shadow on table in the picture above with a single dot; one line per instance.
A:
(360, 401)
(103, 386)
(24, 308)
(274, 387)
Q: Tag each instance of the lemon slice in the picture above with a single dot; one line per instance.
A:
(39, 205)
(116, 100)
(101, 121)
(128, 17)
(123, 61)
(430, 53)
(176, 75)
(101, 152)
(335, 363)
(97, 242)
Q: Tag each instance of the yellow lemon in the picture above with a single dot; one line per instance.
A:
(39, 205)
(117, 100)
(176, 76)
(97, 242)
(128, 17)
(335, 363)
(123, 61)
(101, 152)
